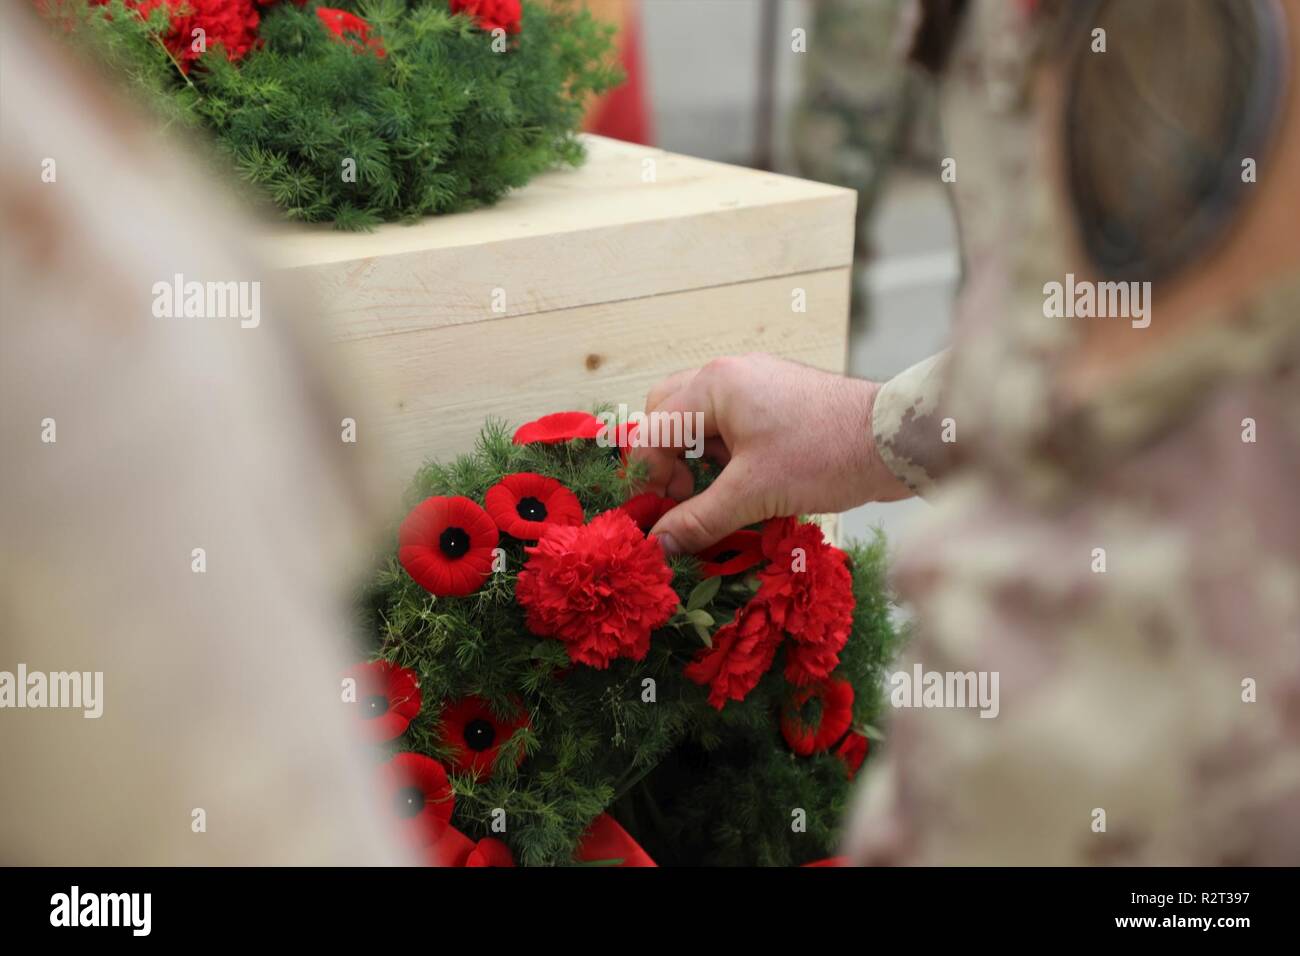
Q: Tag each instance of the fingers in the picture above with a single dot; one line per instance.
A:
(711, 515)
(683, 394)
(673, 383)
(661, 468)
(682, 483)
(716, 450)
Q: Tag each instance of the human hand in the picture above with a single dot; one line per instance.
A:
(791, 439)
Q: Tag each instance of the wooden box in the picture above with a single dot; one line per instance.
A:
(588, 285)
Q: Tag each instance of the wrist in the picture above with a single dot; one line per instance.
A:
(881, 484)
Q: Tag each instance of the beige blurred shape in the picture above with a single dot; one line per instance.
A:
(221, 689)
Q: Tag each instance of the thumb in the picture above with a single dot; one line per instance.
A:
(710, 516)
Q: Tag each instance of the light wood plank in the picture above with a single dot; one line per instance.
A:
(431, 389)
(573, 238)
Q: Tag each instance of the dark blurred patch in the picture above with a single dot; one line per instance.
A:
(936, 33)
(1157, 126)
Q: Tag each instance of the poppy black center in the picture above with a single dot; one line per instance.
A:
(479, 735)
(725, 556)
(530, 509)
(810, 714)
(375, 706)
(454, 542)
(410, 802)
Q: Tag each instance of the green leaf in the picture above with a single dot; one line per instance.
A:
(700, 618)
(703, 593)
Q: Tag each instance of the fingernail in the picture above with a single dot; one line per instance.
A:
(669, 544)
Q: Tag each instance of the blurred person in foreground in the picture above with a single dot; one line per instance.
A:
(1115, 526)
(127, 441)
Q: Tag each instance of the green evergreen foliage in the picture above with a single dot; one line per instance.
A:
(691, 784)
(441, 123)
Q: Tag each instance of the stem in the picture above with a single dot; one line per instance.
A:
(176, 63)
(624, 788)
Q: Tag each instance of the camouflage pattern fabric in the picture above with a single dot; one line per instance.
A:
(1126, 558)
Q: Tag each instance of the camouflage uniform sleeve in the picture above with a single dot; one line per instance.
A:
(907, 425)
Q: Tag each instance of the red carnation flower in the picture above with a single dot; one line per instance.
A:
(741, 654)
(647, 508)
(817, 716)
(491, 15)
(600, 588)
(475, 734)
(419, 795)
(446, 545)
(853, 751)
(230, 23)
(737, 552)
(810, 591)
(559, 427)
(490, 852)
(351, 29)
(525, 504)
(388, 699)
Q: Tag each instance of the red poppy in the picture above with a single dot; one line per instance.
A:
(817, 716)
(446, 545)
(388, 699)
(737, 552)
(853, 751)
(351, 29)
(559, 427)
(526, 504)
(474, 733)
(419, 796)
(647, 508)
(490, 852)
(601, 588)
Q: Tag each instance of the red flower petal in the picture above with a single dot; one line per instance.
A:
(419, 797)
(451, 849)
(388, 699)
(836, 716)
(446, 546)
(231, 25)
(853, 751)
(601, 588)
(742, 653)
(558, 427)
(526, 504)
(490, 852)
(492, 15)
(473, 731)
(647, 508)
(350, 28)
(738, 551)
(807, 585)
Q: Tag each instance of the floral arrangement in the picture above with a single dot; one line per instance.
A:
(546, 687)
(361, 112)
